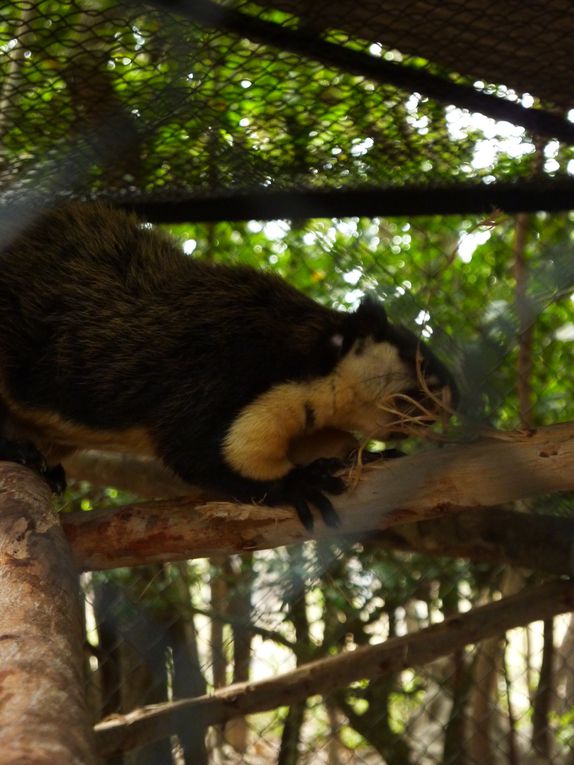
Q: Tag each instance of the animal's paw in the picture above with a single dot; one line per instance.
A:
(308, 485)
(55, 477)
(25, 453)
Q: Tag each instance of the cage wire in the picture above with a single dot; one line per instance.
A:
(164, 107)
(135, 104)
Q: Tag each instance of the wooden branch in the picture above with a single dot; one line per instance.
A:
(500, 537)
(433, 483)
(324, 676)
(43, 715)
(540, 542)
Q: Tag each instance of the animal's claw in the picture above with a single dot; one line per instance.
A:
(55, 477)
(308, 485)
(25, 453)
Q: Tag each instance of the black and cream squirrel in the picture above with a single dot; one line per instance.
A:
(111, 337)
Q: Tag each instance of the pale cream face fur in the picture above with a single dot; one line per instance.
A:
(349, 400)
(365, 383)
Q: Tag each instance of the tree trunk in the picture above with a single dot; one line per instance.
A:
(105, 600)
(541, 726)
(296, 596)
(240, 607)
(483, 705)
(144, 655)
(44, 717)
(458, 685)
(187, 678)
(219, 595)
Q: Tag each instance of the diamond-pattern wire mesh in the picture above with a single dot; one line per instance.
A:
(163, 107)
(155, 105)
(481, 41)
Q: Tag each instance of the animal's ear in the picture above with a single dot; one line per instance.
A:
(330, 349)
(337, 341)
(370, 318)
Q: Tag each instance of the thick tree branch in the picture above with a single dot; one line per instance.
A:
(325, 675)
(500, 537)
(43, 714)
(434, 483)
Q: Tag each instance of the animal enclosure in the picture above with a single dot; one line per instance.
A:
(419, 152)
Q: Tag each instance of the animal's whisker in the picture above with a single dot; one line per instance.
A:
(415, 422)
(442, 406)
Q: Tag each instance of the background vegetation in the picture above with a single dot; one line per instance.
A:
(454, 280)
(110, 99)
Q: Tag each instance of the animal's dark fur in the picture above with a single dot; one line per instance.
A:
(106, 324)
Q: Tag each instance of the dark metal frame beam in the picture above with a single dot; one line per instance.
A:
(471, 199)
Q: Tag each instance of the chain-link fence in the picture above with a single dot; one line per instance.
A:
(133, 103)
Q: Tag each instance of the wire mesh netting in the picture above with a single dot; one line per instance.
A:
(160, 106)
(133, 102)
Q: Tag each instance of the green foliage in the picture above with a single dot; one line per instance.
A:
(196, 110)
(206, 112)
(452, 280)
(430, 278)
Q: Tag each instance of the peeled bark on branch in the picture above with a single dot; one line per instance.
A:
(43, 714)
(433, 483)
(326, 675)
